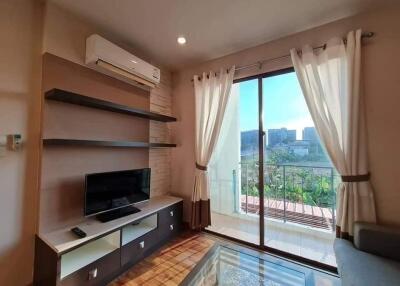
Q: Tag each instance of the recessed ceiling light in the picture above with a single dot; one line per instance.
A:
(181, 40)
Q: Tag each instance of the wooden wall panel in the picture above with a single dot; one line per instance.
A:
(63, 120)
(63, 170)
(63, 167)
(63, 74)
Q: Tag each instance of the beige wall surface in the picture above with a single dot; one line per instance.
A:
(63, 168)
(28, 29)
(20, 74)
(65, 36)
(382, 94)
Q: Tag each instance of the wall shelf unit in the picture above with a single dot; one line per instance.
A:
(101, 143)
(78, 99)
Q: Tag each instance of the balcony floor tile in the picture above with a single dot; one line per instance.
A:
(311, 244)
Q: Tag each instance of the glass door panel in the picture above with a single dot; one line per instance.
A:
(299, 180)
(233, 169)
(297, 203)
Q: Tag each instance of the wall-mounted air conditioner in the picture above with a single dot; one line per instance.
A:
(114, 61)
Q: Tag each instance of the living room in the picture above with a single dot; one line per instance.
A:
(253, 141)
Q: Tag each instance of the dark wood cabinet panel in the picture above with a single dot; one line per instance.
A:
(170, 220)
(47, 262)
(106, 268)
(171, 214)
(169, 224)
(133, 251)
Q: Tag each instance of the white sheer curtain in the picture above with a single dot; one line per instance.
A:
(330, 80)
(211, 96)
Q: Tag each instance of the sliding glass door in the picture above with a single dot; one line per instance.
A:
(272, 184)
(233, 170)
(299, 179)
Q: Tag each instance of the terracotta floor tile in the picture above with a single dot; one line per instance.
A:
(147, 275)
(183, 256)
(193, 259)
(169, 263)
(159, 269)
(187, 263)
(179, 267)
(157, 260)
(191, 250)
(185, 272)
(168, 266)
(152, 282)
(177, 279)
(166, 275)
(170, 283)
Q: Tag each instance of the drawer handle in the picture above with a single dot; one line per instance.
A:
(92, 274)
(171, 213)
(141, 244)
(171, 227)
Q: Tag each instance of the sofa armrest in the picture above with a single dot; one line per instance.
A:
(376, 239)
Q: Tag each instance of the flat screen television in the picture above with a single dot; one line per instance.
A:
(111, 191)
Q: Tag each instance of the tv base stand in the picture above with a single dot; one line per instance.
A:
(109, 249)
(118, 213)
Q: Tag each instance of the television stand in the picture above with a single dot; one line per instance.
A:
(118, 213)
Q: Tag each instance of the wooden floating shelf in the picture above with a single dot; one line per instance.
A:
(78, 99)
(100, 143)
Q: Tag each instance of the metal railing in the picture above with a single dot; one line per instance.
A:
(292, 193)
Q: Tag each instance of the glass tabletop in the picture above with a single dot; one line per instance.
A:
(225, 266)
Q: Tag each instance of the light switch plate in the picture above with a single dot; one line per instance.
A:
(3, 145)
(15, 141)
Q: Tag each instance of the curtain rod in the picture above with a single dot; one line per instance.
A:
(261, 62)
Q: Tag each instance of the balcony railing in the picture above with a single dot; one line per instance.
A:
(292, 193)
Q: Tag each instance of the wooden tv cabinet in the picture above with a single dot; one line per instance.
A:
(109, 248)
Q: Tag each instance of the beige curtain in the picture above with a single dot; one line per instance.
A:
(330, 80)
(211, 96)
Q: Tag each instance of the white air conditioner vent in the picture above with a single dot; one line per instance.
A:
(114, 61)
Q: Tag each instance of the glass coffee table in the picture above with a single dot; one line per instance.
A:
(226, 265)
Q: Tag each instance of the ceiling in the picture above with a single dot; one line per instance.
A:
(213, 28)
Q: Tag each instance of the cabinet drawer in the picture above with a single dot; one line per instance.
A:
(137, 249)
(168, 230)
(96, 273)
(171, 214)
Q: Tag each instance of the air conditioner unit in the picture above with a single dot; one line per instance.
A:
(114, 61)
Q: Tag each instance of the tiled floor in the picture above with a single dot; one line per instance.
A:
(170, 265)
(310, 244)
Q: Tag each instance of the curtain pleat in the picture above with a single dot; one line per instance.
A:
(211, 97)
(330, 81)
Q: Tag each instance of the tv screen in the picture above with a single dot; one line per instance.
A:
(113, 190)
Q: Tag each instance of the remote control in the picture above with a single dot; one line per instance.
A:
(78, 232)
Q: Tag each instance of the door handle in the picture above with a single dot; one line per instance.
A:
(92, 274)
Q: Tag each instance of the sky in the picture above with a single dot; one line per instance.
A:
(284, 104)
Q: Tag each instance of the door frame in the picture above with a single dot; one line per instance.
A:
(261, 140)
